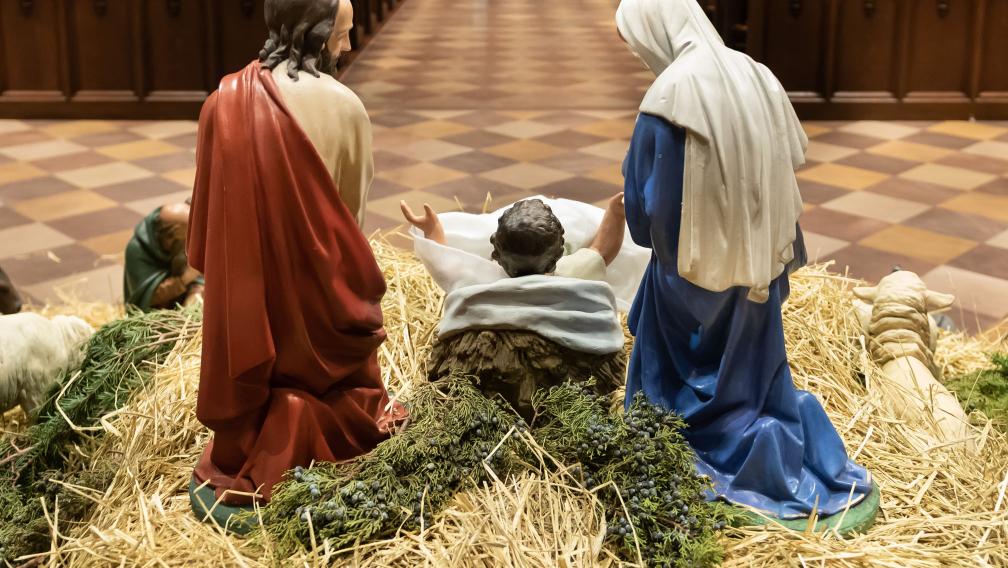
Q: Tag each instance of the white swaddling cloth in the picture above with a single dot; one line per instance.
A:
(577, 314)
(464, 259)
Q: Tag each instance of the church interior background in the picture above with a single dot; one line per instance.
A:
(905, 105)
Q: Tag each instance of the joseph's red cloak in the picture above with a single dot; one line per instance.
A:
(292, 317)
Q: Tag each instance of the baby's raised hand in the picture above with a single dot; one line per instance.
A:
(429, 222)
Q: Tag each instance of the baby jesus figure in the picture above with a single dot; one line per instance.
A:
(530, 240)
(534, 292)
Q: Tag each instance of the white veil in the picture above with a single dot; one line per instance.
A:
(740, 196)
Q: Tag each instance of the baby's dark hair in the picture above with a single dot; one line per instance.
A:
(529, 239)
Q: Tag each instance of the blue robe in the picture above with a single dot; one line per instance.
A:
(719, 359)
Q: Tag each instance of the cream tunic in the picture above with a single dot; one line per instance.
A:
(338, 126)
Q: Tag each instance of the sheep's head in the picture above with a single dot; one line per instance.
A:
(904, 287)
(75, 331)
(899, 324)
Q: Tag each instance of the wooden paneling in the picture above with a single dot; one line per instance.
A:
(30, 33)
(792, 41)
(241, 33)
(132, 58)
(886, 59)
(175, 33)
(102, 58)
(992, 64)
(866, 64)
(938, 57)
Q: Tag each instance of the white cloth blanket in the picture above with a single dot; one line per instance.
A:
(577, 314)
(465, 258)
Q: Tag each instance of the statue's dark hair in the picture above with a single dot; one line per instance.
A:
(298, 31)
(529, 239)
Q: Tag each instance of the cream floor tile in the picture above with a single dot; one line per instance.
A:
(842, 176)
(524, 129)
(441, 114)
(874, 206)
(935, 248)
(976, 292)
(42, 150)
(614, 150)
(138, 150)
(9, 126)
(1000, 240)
(63, 205)
(99, 285)
(522, 115)
(910, 151)
(25, 239)
(105, 174)
(165, 128)
(820, 247)
(948, 176)
(966, 129)
(990, 149)
(526, 176)
(18, 171)
(878, 129)
(420, 176)
(823, 152)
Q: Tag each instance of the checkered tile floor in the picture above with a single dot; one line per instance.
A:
(513, 99)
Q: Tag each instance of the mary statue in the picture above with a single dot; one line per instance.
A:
(710, 188)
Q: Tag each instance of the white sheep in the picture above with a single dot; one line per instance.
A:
(34, 353)
(901, 339)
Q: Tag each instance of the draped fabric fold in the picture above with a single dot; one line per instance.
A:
(292, 317)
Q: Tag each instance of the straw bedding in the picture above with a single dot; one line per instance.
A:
(939, 508)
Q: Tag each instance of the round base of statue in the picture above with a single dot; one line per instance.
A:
(515, 364)
(858, 519)
(233, 518)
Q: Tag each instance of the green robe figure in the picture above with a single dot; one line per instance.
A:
(157, 272)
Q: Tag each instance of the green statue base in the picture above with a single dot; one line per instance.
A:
(856, 520)
(233, 519)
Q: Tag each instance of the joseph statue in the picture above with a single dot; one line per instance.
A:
(292, 319)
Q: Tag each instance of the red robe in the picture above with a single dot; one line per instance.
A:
(292, 317)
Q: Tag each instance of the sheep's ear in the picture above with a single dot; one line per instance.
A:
(938, 300)
(866, 293)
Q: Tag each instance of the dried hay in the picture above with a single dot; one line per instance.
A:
(938, 509)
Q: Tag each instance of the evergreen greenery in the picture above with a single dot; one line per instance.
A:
(118, 359)
(455, 430)
(986, 390)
